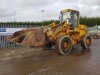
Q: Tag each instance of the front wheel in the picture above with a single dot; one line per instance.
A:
(63, 45)
(86, 41)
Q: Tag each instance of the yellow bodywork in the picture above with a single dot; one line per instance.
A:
(53, 31)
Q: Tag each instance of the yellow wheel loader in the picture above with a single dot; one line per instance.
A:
(69, 32)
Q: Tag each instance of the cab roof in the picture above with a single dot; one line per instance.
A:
(66, 10)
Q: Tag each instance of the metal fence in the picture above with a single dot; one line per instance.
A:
(4, 39)
(14, 26)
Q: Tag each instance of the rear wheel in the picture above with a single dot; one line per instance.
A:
(86, 41)
(63, 45)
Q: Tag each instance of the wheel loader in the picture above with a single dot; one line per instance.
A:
(67, 33)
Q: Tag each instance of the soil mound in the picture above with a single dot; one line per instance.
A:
(29, 37)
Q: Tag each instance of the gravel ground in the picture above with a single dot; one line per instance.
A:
(29, 61)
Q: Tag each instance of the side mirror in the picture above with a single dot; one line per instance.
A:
(59, 17)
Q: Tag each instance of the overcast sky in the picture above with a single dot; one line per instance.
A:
(30, 10)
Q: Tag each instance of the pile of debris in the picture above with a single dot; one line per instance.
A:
(29, 37)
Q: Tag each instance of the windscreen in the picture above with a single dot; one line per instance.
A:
(65, 16)
(74, 19)
(70, 17)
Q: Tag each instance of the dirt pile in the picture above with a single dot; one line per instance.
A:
(29, 37)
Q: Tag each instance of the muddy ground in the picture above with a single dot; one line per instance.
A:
(29, 61)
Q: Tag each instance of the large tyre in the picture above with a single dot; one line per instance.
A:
(86, 41)
(47, 46)
(63, 45)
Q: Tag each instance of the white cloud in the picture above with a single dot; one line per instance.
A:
(95, 7)
(81, 6)
(30, 10)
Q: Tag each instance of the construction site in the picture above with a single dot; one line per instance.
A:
(67, 48)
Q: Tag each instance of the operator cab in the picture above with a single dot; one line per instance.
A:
(71, 17)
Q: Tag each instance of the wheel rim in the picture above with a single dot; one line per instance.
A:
(88, 41)
(65, 45)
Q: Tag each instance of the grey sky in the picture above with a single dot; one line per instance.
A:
(30, 10)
